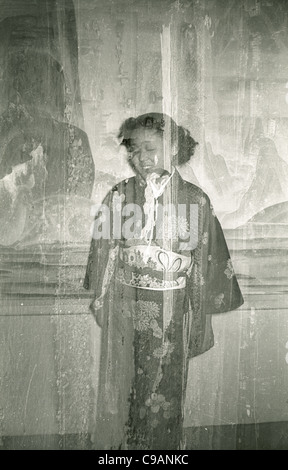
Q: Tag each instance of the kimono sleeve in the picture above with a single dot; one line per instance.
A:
(213, 274)
(100, 249)
(212, 286)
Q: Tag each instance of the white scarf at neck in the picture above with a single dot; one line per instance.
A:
(153, 191)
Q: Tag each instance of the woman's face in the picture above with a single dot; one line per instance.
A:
(146, 151)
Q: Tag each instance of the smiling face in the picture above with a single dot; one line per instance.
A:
(146, 151)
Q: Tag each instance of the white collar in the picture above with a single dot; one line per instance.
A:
(157, 190)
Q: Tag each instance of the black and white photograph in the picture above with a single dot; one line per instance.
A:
(143, 227)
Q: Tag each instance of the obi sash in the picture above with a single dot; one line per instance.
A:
(151, 267)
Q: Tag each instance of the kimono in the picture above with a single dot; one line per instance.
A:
(155, 308)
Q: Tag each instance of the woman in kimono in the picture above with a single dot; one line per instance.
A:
(157, 277)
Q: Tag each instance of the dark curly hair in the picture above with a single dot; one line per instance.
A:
(180, 137)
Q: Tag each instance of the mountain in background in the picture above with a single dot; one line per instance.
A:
(268, 187)
(266, 230)
(216, 171)
(277, 214)
(212, 173)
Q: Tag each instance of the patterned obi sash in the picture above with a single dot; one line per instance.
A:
(151, 267)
